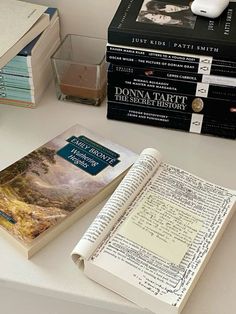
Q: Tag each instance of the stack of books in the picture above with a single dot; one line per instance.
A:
(25, 77)
(170, 68)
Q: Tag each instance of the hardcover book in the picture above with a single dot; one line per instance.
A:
(21, 22)
(47, 190)
(171, 26)
(156, 233)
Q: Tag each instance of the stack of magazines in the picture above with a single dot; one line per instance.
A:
(25, 77)
(170, 68)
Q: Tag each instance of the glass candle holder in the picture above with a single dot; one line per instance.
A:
(80, 69)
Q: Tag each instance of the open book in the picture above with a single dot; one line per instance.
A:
(155, 234)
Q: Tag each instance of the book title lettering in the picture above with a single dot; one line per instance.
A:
(151, 98)
(88, 155)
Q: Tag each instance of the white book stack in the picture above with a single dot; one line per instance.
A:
(25, 77)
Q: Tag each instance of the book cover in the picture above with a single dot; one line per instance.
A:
(28, 49)
(171, 26)
(157, 243)
(22, 22)
(37, 49)
(185, 121)
(47, 190)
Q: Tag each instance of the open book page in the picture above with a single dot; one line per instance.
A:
(166, 236)
(16, 18)
(131, 185)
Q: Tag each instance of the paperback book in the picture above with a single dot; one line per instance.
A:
(36, 50)
(171, 65)
(168, 55)
(168, 100)
(174, 75)
(13, 93)
(16, 81)
(183, 121)
(48, 189)
(154, 236)
(24, 79)
(149, 79)
(21, 22)
(151, 24)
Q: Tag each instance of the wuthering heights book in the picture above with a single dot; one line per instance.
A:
(48, 189)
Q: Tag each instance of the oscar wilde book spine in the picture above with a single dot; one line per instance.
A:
(167, 55)
(176, 102)
(179, 121)
(150, 79)
(175, 75)
(173, 65)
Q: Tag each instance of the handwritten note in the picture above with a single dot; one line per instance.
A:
(162, 227)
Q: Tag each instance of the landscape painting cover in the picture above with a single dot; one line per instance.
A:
(59, 181)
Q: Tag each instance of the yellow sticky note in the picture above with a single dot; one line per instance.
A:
(162, 227)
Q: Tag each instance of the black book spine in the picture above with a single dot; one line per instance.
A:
(174, 75)
(173, 65)
(148, 79)
(167, 55)
(171, 101)
(179, 121)
(159, 41)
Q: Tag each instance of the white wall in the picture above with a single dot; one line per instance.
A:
(85, 17)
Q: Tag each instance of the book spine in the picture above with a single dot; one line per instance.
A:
(194, 123)
(17, 71)
(171, 101)
(18, 103)
(167, 55)
(17, 61)
(16, 81)
(173, 65)
(16, 94)
(149, 79)
(175, 75)
(158, 41)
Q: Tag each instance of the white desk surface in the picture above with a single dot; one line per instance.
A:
(51, 272)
